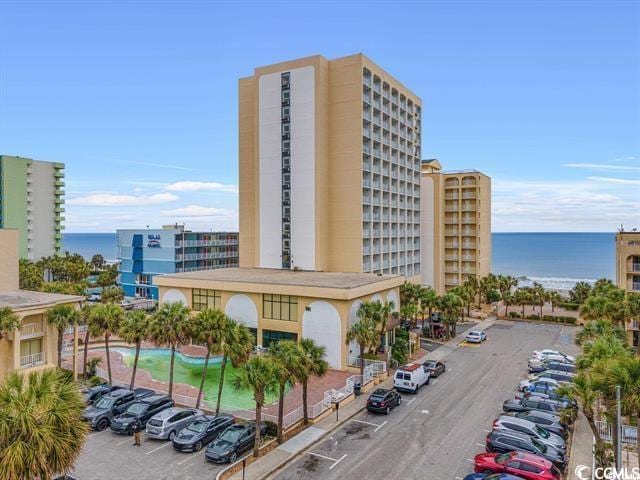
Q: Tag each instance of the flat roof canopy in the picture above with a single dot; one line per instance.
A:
(24, 299)
(294, 282)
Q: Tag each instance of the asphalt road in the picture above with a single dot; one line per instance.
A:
(436, 433)
(108, 456)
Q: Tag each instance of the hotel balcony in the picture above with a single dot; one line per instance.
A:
(30, 330)
(205, 243)
(451, 281)
(468, 219)
(32, 360)
(469, 195)
(453, 220)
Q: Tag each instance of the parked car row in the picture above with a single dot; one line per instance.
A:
(528, 441)
(189, 429)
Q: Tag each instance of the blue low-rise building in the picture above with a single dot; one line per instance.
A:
(145, 253)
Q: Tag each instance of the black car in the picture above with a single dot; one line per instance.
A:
(139, 413)
(383, 400)
(551, 394)
(100, 414)
(435, 368)
(234, 441)
(503, 441)
(92, 394)
(533, 403)
(548, 421)
(557, 375)
(202, 431)
(561, 367)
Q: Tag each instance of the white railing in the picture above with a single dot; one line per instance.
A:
(205, 243)
(32, 360)
(378, 366)
(31, 329)
(205, 256)
(629, 433)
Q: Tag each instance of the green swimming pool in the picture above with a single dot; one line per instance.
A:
(188, 370)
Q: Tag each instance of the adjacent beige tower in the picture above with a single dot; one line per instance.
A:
(456, 226)
(628, 261)
(329, 168)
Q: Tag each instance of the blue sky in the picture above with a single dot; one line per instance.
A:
(139, 99)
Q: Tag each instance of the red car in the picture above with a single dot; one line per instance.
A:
(524, 465)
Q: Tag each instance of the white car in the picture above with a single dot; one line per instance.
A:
(476, 336)
(554, 354)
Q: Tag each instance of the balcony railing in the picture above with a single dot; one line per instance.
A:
(635, 267)
(205, 256)
(31, 330)
(205, 243)
(32, 360)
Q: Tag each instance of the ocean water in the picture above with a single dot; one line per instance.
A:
(557, 260)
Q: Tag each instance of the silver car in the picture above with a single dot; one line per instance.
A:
(506, 422)
(166, 424)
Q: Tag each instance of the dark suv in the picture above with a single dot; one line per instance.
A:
(561, 367)
(100, 414)
(92, 394)
(383, 400)
(139, 413)
(202, 431)
(533, 403)
(234, 441)
(503, 441)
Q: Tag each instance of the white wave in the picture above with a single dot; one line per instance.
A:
(554, 283)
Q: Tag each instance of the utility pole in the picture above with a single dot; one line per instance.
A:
(619, 428)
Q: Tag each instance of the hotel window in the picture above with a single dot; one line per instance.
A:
(285, 95)
(205, 298)
(280, 307)
(143, 279)
(273, 336)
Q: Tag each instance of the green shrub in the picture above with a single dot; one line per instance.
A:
(92, 366)
(569, 306)
(95, 380)
(272, 429)
(514, 315)
(493, 296)
(535, 316)
(400, 351)
(550, 318)
(371, 356)
(569, 320)
(402, 333)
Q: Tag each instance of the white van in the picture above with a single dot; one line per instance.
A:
(411, 377)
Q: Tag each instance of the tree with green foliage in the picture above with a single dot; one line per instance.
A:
(71, 268)
(85, 319)
(538, 296)
(97, 262)
(555, 298)
(428, 301)
(579, 293)
(61, 317)
(9, 321)
(287, 357)
(170, 327)
(108, 276)
(31, 275)
(594, 329)
(313, 365)
(41, 427)
(105, 321)
(134, 328)
(259, 376)
(523, 297)
(451, 306)
(363, 332)
(112, 294)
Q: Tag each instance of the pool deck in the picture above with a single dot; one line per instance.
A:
(187, 394)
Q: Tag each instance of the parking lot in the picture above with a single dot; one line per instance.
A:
(108, 455)
(436, 433)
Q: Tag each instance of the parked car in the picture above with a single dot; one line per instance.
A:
(550, 394)
(202, 431)
(506, 422)
(491, 476)
(411, 377)
(94, 297)
(93, 394)
(234, 441)
(565, 377)
(524, 465)
(476, 336)
(383, 400)
(166, 424)
(100, 414)
(532, 403)
(549, 421)
(435, 368)
(547, 352)
(525, 384)
(139, 413)
(503, 441)
(561, 367)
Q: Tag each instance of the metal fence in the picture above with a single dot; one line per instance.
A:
(629, 433)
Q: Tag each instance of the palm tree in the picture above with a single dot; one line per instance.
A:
(580, 292)
(287, 357)
(363, 333)
(486, 285)
(207, 328)
(85, 318)
(505, 285)
(170, 327)
(105, 320)
(9, 321)
(236, 347)
(602, 349)
(42, 421)
(258, 375)
(451, 305)
(598, 328)
(472, 283)
(313, 364)
(61, 317)
(465, 295)
(523, 298)
(555, 298)
(538, 295)
(134, 329)
(386, 309)
(428, 300)
(112, 294)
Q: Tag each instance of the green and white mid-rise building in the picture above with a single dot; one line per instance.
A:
(32, 201)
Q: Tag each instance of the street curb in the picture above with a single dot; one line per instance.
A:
(322, 438)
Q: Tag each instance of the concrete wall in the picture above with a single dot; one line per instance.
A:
(9, 250)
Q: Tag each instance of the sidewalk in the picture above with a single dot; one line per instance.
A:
(581, 447)
(283, 454)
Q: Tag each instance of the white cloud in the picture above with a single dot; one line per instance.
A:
(194, 186)
(197, 211)
(121, 200)
(602, 166)
(620, 181)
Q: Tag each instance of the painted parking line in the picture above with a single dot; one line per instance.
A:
(189, 458)
(368, 423)
(469, 460)
(338, 461)
(334, 460)
(91, 435)
(380, 426)
(411, 401)
(130, 440)
(156, 449)
(480, 444)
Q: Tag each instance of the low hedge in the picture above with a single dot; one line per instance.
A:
(569, 306)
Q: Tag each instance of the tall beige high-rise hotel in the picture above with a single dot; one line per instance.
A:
(329, 168)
